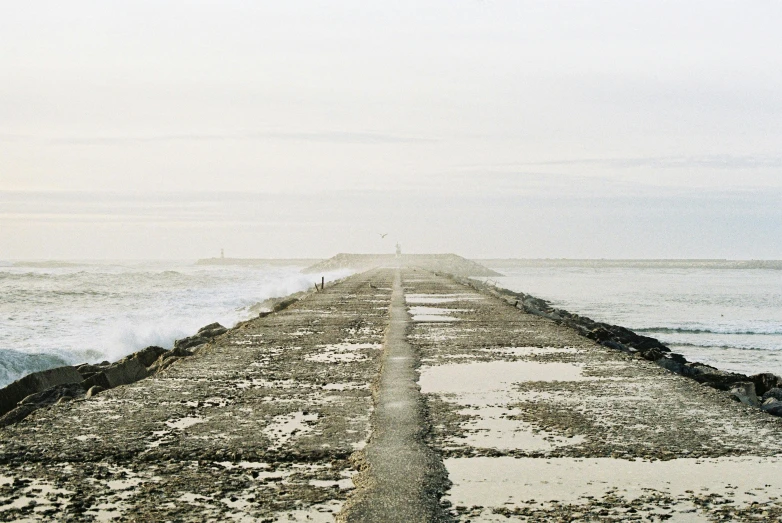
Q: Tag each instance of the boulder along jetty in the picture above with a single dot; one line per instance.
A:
(398, 394)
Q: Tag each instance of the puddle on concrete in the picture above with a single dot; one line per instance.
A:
(440, 298)
(243, 465)
(346, 386)
(484, 391)
(532, 351)
(321, 513)
(189, 497)
(123, 484)
(478, 377)
(337, 357)
(41, 495)
(284, 427)
(505, 480)
(85, 437)
(433, 314)
(186, 422)
(489, 427)
(346, 483)
(342, 352)
(162, 437)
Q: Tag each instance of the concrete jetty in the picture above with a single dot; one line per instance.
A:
(398, 395)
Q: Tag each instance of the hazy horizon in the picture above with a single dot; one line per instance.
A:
(610, 130)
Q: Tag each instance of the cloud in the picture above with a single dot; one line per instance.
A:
(335, 137)
(719, 161)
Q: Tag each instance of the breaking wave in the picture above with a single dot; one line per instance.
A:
(15, 364)
(65, 316)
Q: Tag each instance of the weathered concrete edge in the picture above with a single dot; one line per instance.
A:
(743, 388)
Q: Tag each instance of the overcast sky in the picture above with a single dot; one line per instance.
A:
(159, 129)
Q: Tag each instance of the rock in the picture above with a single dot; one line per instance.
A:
(773, 393)
(94, 391)
(178, 352)
(615, 345)
(284, 304)
(772, 406)
(190, 342)
(36, 382)
(211, 330)
(54, 395)
(652, 354)
(765, 382)
(149, 355)
(712, 376)
(124, 372)
(600, 334)
(86, 370)
(167, 358)
(16, 415)
(167, 362)
(745, 393)
(671, 364)
(204, 335)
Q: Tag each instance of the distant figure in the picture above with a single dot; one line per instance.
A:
(398, 249)
(222, 253)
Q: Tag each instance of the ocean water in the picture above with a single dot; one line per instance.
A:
(728, 318)
(59, 314)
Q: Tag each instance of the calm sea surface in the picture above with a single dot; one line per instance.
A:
(729, 318)
(52, 316)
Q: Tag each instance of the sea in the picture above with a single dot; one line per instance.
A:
(719, 313)
(66, 313)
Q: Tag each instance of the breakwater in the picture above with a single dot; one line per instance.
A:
(763, 390)
(516, 412)
(450, 263)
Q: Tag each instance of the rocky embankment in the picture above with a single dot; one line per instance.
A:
(762, 390)
(69, 383)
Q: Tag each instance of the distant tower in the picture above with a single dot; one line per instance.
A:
(398, 249)
(222, 253)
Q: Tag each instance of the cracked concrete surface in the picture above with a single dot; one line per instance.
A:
(529, 420)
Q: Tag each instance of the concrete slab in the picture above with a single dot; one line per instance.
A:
(539, 424)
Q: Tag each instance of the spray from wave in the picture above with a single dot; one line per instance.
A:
(59, 316)
(15, 364)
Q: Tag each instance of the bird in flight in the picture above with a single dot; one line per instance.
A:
(382, 235)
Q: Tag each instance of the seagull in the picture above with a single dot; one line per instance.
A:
(382, 235)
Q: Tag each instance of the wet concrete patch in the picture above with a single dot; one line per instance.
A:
(540, 424)
(605, 488)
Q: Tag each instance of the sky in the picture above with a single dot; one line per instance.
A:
(172, 129)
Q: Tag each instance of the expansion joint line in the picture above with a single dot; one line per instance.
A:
(402, 479)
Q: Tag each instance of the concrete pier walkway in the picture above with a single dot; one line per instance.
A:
(398, 397)
(403, 478)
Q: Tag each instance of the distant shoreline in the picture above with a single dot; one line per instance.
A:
(258, 261)
(632, 263)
